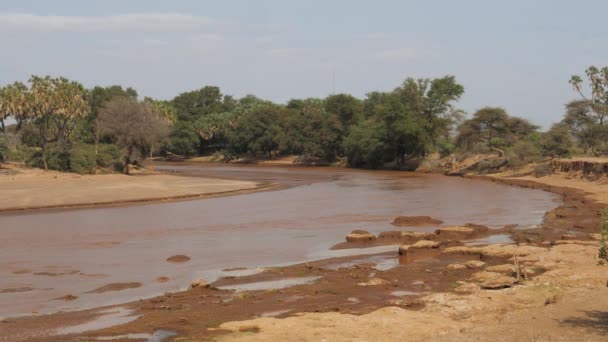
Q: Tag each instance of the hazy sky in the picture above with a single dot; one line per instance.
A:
(514, 54)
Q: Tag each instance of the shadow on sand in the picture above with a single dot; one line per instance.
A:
(596, 320)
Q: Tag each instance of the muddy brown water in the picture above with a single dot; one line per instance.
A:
(73, 252)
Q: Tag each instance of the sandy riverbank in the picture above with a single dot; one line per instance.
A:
(567, 302)
(25, 188)
(562, 299)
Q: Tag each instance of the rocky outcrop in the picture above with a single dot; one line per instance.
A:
(492, 280)
(199, 283)
(360, 236)
(455, 232)
(415, 221)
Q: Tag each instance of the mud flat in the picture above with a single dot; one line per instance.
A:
(24, 188)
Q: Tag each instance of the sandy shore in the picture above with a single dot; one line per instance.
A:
(24, 188)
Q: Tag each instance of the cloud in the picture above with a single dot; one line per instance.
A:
(400, 54)
(375, 36)
(157, 22)
(206, 37)
(284, 52)
(267, 39)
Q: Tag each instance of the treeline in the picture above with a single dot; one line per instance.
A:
(61, 125)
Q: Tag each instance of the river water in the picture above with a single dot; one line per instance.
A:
(48, 255)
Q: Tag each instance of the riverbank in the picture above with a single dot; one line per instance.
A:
(440, 294)
(25, 189)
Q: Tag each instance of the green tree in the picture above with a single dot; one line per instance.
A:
(311, 132)
(347, 107)
(54, 105)
(492, 127)
(258, 131)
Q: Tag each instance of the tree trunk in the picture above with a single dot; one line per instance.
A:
(128, 159)
(3, 128)
(44, 162)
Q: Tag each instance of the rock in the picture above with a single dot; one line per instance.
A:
(569, 237)
(456, 267)
(178, 258)
(498, 251)
(425, 244)
(454, 232)
(374, 282)
(417, 235)
(466, 288)
(596, 237)
(199, 283)
(506, 269)
(493, 280)
(474, 264)
(403, 249)
(415, 221)
(360, 236)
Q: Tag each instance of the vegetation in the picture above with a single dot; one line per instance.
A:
(134, 127)
(603, 251)
(57, 124)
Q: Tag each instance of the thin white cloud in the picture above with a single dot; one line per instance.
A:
(154, 42)
(158, 22)
(284, 52)
(206, 37)
(267, 39)
(400, 54)
(375, 36)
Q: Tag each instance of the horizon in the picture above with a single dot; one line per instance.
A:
(280, 51)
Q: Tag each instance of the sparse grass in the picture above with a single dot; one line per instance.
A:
(603, 251)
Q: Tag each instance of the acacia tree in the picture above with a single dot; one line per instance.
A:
(493, 128)
(134, 126)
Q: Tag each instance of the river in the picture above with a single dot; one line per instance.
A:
(48, 255)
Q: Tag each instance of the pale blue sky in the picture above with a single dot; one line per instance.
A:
(514, 54)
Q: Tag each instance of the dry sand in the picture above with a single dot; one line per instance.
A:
(22, 188)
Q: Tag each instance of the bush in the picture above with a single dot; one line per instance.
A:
(108, 155)
(82, 159)
(524, 152)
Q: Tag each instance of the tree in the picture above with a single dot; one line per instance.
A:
(54, 105)
(98, 97)
(257, 131)
(192, 105)
(13, 104)
(134, 125)
(557, 142)
(347, 107)
(492, 127)
(311, 132)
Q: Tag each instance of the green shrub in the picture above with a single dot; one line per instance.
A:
(82, 159)
(603, 251)
(108, 155)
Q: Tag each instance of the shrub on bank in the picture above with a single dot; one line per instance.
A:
(82, 159)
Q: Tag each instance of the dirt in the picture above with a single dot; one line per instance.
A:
(178, 258)
(116, 287)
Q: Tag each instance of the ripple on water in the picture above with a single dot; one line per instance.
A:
(108, 318)
(270, 284)
(158, 336)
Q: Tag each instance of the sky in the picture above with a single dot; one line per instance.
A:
(515, 54)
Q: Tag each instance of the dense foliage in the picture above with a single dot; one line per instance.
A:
(61, 125)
